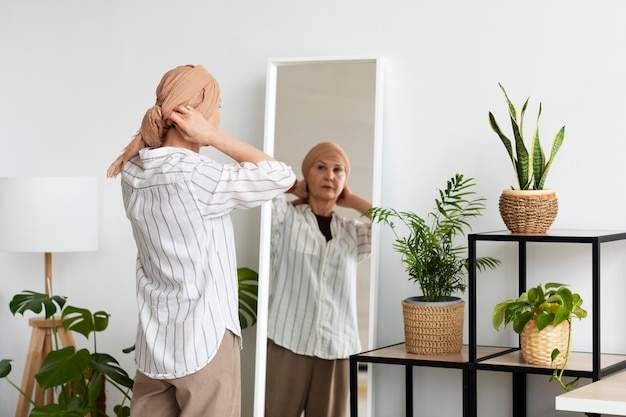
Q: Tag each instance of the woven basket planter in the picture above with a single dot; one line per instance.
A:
(537, 346)
(528, 211)
(433, 328)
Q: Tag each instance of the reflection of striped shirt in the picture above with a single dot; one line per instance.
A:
(313, 285)
(179, 205)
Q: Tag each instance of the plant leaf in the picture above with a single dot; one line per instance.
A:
(520, 321)
(75, 408)
(5, 367)
(109, 366)
(82, 321)
(36, 302)
(62, 366)
(248, 295)
(556, 145)
(544, 319)
(538, 155)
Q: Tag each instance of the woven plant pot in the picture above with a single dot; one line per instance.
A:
(433, 328)
(528, 211)
(537, 346)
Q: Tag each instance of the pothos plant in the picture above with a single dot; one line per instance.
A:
(77, 376)
(551, 304)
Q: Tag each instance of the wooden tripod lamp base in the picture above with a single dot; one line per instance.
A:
(40, 345)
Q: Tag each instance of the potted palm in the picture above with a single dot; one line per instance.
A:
(542, 317)
(529, 208)
(433, 322)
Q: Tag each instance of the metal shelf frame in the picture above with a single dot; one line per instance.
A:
(474, 357)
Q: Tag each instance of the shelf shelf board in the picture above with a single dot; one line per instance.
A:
(579, 364)
(553, 235)
(397, 354)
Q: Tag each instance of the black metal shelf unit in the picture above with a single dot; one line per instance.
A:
(592, 365)
(474, 357)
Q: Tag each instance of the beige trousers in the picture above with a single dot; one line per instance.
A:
(213, 391)
(296, 383)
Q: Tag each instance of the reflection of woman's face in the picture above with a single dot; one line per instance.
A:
(326, 179)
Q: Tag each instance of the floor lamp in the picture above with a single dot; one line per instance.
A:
(46, 215)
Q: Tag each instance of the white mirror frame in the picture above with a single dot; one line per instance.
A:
(265, 231)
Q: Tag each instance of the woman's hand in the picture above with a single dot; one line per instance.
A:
(353, 201)
(192, 125)
(301, 191)
(194, 128)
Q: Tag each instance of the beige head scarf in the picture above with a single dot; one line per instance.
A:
(324, 150)
(187, 85)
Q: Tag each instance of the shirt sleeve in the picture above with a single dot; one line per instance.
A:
(364, 240)
(244, 185)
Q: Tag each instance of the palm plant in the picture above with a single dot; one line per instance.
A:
(531, 168)
(432, 257)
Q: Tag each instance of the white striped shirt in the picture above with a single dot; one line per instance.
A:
(313, 288)
(179, 204)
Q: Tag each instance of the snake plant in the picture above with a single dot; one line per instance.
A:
(531, 168)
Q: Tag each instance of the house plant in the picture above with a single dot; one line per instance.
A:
(530, 208)
(248, 296)
(79, 376)
(543, 317)
(437, 263)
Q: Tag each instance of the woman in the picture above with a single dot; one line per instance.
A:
(179, 203)
(312, 327)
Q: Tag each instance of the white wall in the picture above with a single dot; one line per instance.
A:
(78, 75)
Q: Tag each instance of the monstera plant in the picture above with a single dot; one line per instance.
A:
(78, 376)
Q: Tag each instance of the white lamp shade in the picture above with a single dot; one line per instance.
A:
(47, 214)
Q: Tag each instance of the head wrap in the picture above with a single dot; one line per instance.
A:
(325, 150)
(186, 85)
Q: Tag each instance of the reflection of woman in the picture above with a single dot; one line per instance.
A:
(312, 327)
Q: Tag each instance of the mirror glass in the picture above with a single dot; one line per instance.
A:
(316, 100)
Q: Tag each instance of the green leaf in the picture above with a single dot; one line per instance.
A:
(248, 280)
(121, 411)
(538, 155)
(5, 367)
(82, 321)
(520, 321)
(556, 145)
(497, 316)
(62, 366)
(109, 366)
(75, 408)
(544, 319)
(94, 389)
(36, 302)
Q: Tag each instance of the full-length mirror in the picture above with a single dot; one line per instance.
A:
(315, 100)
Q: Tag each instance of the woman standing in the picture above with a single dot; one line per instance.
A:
(312, 320)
